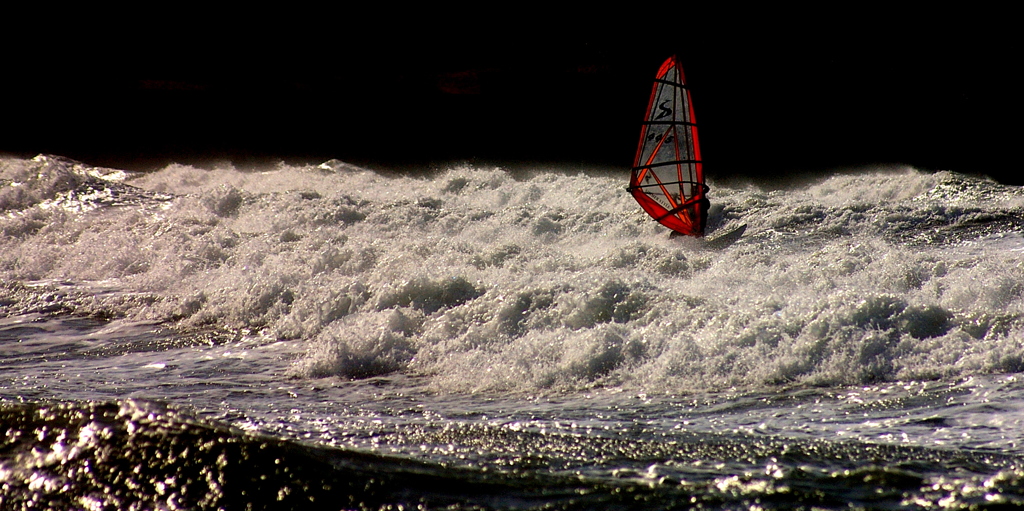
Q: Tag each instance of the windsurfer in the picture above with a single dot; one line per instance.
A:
(704, 205)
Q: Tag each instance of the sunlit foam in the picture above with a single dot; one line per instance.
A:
(480, 280)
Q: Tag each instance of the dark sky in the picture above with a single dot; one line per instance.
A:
(774, 92)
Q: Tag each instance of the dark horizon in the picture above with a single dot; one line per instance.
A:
(768, 102)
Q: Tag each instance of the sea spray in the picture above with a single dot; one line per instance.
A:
(536, 280)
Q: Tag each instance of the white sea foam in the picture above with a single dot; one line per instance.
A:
(478, 279)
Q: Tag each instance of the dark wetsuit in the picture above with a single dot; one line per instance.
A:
(705, 205)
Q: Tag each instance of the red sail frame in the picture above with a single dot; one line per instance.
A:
(668, 177)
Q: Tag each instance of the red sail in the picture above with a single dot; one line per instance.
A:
(667, 178)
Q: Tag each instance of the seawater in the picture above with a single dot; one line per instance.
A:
(334, 337)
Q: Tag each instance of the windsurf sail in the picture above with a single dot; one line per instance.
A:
(667, 178)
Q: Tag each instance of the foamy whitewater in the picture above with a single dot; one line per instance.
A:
(333, 337)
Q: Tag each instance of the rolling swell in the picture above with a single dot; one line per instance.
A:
(142, 455)
(145, 455)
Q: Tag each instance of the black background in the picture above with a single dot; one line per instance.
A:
(776, 92)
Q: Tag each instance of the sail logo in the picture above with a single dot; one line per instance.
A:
(665, 111)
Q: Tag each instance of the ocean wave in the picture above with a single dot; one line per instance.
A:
(138, 454)
(481, 280)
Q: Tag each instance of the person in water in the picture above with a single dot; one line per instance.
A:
(704, 205)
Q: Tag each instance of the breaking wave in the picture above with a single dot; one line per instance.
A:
(482, 280)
